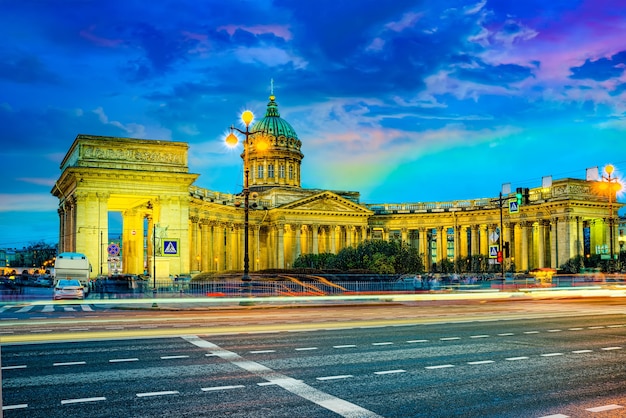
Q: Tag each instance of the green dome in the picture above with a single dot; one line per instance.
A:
(273, 124)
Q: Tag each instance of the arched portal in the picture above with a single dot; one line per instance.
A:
(147, 181)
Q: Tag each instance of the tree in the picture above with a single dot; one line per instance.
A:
(382, 257)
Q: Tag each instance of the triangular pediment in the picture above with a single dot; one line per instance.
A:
(325, 202)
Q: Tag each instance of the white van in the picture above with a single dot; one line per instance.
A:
(72, 266)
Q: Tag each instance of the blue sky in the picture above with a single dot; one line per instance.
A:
(403, 101)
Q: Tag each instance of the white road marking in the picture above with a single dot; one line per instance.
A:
(417, 341)
(69, 309)
(172, 357)
(516, 358)
(325, 400)
(272, 383)
(391, 371)
(554, 330)
(24, 309)
(480, 362)
(79, 329)
(479, 336)
(306, 348)
(385, 343)
(611, 348)
(70, 363)
(21, 366)
(531, 332)
(165, 392)
(86, 308)
(441, 366)
(505, 334)
(597, 327)
(48, 308)
(122, 360)
(604, 408)
(555, 416)
(575, 329)
(344, 346)
(82, 400)
(340, 376)
(17, 406)
(40, 330)
(449, 338)
(262, 351)
(221, 388)
(551, 354)
(582, 351)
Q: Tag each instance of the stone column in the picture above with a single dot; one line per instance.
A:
(474, 237)
(484, 241)
(280, 229)
(524, 260)
(194, 242)
(297, 231)
(441, 240)
(349, 234)
(463, 241)
(315, 238)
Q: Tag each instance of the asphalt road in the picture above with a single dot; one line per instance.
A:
(541, 359)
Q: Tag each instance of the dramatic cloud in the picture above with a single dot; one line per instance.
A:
(387, 97)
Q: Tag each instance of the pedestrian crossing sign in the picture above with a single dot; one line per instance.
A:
(513, 206)
(170, 248)
(493, 251)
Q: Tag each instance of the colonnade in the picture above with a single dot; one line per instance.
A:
(219, 246)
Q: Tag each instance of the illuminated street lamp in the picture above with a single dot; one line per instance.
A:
(610, 185)
(232, 140)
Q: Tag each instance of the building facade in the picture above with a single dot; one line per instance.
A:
(171, 226)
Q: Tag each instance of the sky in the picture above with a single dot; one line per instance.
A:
(402, 101)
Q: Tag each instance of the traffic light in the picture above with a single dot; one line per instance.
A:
(522, 194)
(499, 257)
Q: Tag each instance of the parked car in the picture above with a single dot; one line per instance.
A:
(121, 284)
(68, 289)
(43, 282)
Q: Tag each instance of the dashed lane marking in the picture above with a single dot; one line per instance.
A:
(82, 400)
(70, 363)
(210, 389)
(604, 408)
(340, 376)
(162, 393)
(391, 371)
(17, 406)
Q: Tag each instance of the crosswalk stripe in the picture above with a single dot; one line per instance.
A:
(48, 308)
(25, 309)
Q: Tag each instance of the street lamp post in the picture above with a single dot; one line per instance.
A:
(611, 185)
(231, 140)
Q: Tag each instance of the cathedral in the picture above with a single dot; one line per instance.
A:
(170, 226)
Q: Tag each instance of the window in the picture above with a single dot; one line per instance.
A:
(270, 171)
(259, 172)
(281, 171)
(290, 172)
